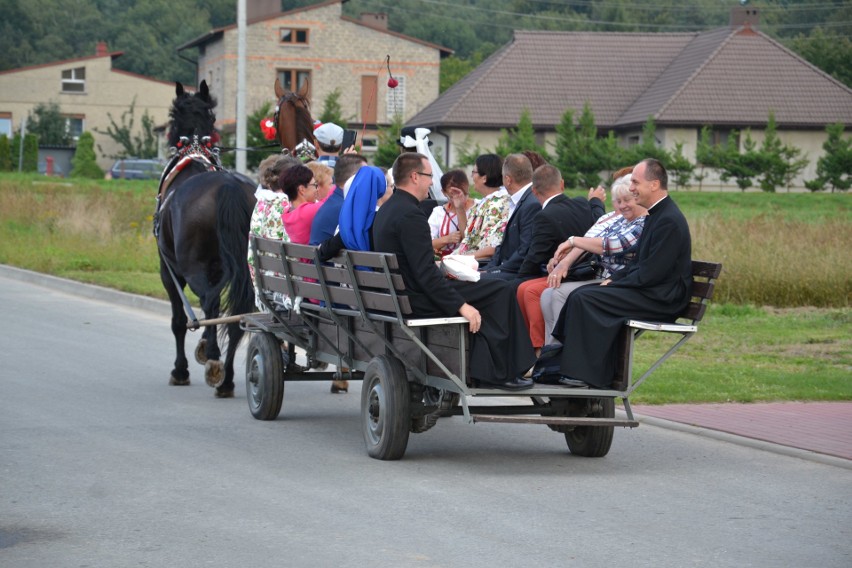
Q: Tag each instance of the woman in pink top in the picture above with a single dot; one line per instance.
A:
(302, 188)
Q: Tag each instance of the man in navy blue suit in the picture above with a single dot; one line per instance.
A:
(523, 209)
(325, 222)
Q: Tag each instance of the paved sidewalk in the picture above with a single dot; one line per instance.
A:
(821, 427)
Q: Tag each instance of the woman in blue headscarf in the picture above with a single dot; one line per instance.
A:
(357, 213)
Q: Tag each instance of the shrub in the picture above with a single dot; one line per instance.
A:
(83, 164)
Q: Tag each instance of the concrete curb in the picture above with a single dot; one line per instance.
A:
(162, 307)
(91, 291)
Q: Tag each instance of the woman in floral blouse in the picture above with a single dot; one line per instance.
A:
(487, 219)
(267, 219)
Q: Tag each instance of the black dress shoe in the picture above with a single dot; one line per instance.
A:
(567, 381)
(518, 383)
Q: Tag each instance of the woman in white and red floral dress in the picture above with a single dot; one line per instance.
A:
(448, 221)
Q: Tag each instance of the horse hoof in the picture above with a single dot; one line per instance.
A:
(214, 373)
(201, 352)
(223, 394)
(176, 382)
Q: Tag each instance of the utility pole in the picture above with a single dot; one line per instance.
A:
(241, 86)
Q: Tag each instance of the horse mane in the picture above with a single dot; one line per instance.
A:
(191, 114)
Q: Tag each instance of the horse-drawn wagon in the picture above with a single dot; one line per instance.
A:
(354, 314)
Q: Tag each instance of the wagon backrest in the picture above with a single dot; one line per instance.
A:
(704, 275)
(368, 281)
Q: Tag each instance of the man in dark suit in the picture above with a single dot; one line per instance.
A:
(523, 208)
(326, 220)
(560, 218)
(656, 286)
(500, 348)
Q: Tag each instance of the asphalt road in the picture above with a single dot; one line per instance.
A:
(102, 464)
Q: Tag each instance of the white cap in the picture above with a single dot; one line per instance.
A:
(329, 134)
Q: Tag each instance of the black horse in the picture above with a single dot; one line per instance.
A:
(202, 226)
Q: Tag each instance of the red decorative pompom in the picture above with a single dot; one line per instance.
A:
(392, 83)
(268, 129)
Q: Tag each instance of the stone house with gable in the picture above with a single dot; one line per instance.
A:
(728, 78)
(320, 45)
(87, 90)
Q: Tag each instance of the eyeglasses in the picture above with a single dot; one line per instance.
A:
(423, 174)
(315, 184)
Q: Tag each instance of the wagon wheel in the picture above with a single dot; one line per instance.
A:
(264, 376)
(385, 408)
(593, 441)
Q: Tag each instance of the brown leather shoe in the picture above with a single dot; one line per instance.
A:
(339, 386)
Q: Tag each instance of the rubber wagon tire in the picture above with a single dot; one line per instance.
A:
(593, 441)
(385, 408)
(264, 376)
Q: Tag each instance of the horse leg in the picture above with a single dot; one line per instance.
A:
(180, 373)
(235, 334)
(214, 371)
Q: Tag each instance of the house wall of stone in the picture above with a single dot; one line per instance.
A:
(338, 54)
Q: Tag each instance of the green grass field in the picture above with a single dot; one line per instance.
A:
(780, 327)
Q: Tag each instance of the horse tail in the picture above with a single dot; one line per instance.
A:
(233, 214)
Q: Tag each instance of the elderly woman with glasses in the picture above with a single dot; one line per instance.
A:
(302, 189)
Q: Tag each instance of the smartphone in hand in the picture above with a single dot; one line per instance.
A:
(349, 137)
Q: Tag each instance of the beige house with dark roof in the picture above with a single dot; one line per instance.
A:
(320, 45)
(87, 90)
(728, 78)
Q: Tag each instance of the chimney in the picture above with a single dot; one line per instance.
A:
(375, 20)
(259, 9)
(101, 49)
(744, 16)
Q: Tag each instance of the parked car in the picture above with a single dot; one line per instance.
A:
(130, 168)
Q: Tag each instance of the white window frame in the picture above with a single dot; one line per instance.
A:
(75, 76)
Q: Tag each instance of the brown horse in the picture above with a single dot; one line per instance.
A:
(293, 121)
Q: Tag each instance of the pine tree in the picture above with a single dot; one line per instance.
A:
(834, 168)
(743, 165)
(5, 154)
(680, 167)
(387, 148)
(84, 164)
(773, 167)
(331, 109)
(520, 138)
(567, 149)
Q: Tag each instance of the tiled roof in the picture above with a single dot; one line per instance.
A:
(752, 74)
(722, 76)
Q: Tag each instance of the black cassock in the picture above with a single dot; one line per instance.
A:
(501, 350)
(655, 287)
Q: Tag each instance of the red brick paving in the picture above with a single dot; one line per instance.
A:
(824, 427)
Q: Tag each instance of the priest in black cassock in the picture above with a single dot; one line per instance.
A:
(500, 348)
(656, 286)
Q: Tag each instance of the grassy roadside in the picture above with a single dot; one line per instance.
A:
(789, 250)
